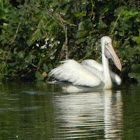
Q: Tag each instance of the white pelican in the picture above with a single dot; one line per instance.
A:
(90, 73)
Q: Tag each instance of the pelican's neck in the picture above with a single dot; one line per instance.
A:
(106, 72)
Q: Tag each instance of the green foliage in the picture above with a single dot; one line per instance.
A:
(35, 34)
(135, 72)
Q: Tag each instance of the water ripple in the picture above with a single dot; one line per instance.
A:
(89, 114)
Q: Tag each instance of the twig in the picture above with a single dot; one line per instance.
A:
(65, 45)
(116, 22)
(15, 35)
(2, 59)
(63, 20)
(63, 23)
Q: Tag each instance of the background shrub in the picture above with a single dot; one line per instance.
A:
(35, 35)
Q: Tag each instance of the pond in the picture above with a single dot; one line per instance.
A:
(37, 111)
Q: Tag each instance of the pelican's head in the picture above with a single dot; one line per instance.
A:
(108, 51)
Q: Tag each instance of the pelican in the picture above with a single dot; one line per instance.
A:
(90, 73)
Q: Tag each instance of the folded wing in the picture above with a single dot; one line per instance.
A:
(97, 69)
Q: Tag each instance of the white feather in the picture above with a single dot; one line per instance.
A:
(75, 73)
(97, 69)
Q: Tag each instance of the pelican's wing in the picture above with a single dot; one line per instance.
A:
(93, 64)
(97, 69)
(94, 67)
(75, 73)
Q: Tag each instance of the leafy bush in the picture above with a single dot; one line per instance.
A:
(36, 35)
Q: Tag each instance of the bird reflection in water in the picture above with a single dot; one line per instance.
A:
(84, 115)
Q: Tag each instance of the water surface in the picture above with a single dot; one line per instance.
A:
(43, 112)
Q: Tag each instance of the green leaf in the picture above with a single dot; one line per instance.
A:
(81, 34)
(81, 26)
(101, 24)
(135, 68)
(136, 39)
(80, 14)
(39, 76)
(129, 14)
(118, 11)
(20, 54)
(35, 36)
(135, 76)
(29, 58)
(45, 67)
(80, 40)
(64, 12)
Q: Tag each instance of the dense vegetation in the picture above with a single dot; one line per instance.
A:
(35, 34)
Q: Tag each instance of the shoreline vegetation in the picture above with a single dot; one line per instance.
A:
(36, 35)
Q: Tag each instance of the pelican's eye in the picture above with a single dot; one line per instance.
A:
(106, 43)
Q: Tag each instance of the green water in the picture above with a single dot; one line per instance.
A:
(42, 112)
